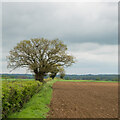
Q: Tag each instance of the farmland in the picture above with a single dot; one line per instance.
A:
(59, 60)
(71, 99)
(84, 100)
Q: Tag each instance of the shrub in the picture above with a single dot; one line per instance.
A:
(47, 79)
(16, 93)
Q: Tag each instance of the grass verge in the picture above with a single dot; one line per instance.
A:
(37, 106)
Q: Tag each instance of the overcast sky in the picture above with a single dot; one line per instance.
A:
(88, 29)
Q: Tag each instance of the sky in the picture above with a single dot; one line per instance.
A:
(89, 29)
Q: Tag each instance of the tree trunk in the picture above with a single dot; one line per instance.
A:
(39, 77)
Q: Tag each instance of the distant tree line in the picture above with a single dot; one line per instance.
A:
(92, 77)
(16, 76)
(66, 77)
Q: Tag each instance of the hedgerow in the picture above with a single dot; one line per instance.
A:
(47, 79)
(16, 93)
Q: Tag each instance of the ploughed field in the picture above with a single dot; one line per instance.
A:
(84, 100)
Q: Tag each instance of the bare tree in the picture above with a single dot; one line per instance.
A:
(40, 56)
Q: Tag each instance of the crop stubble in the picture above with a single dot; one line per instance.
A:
(84, 100)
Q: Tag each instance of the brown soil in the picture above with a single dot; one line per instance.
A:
(84, 100)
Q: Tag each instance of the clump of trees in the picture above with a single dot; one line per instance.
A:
(5, 77)
(56, 70)
(40, 56)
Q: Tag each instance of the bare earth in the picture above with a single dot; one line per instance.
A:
(84, 100)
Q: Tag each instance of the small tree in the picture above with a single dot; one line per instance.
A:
(52, 75)
(97, 78)
(61, 72)
(54, 72)
(5, 77)
(62, 75)
(40, 56)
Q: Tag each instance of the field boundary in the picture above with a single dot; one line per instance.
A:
(37, 106)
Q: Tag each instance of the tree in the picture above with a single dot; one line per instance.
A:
(5, 77)
(52, 75)
(54, 72)
(61, 72)
(40, 56)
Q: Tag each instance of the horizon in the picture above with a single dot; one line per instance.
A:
(58, 74)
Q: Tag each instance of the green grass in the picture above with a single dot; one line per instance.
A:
(37, 106)
(61, 80)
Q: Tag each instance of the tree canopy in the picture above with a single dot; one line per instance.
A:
(40, 56)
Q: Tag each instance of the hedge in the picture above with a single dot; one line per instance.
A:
(16, 93)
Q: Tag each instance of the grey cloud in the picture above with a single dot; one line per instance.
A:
(86, 67)
(73, 23)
